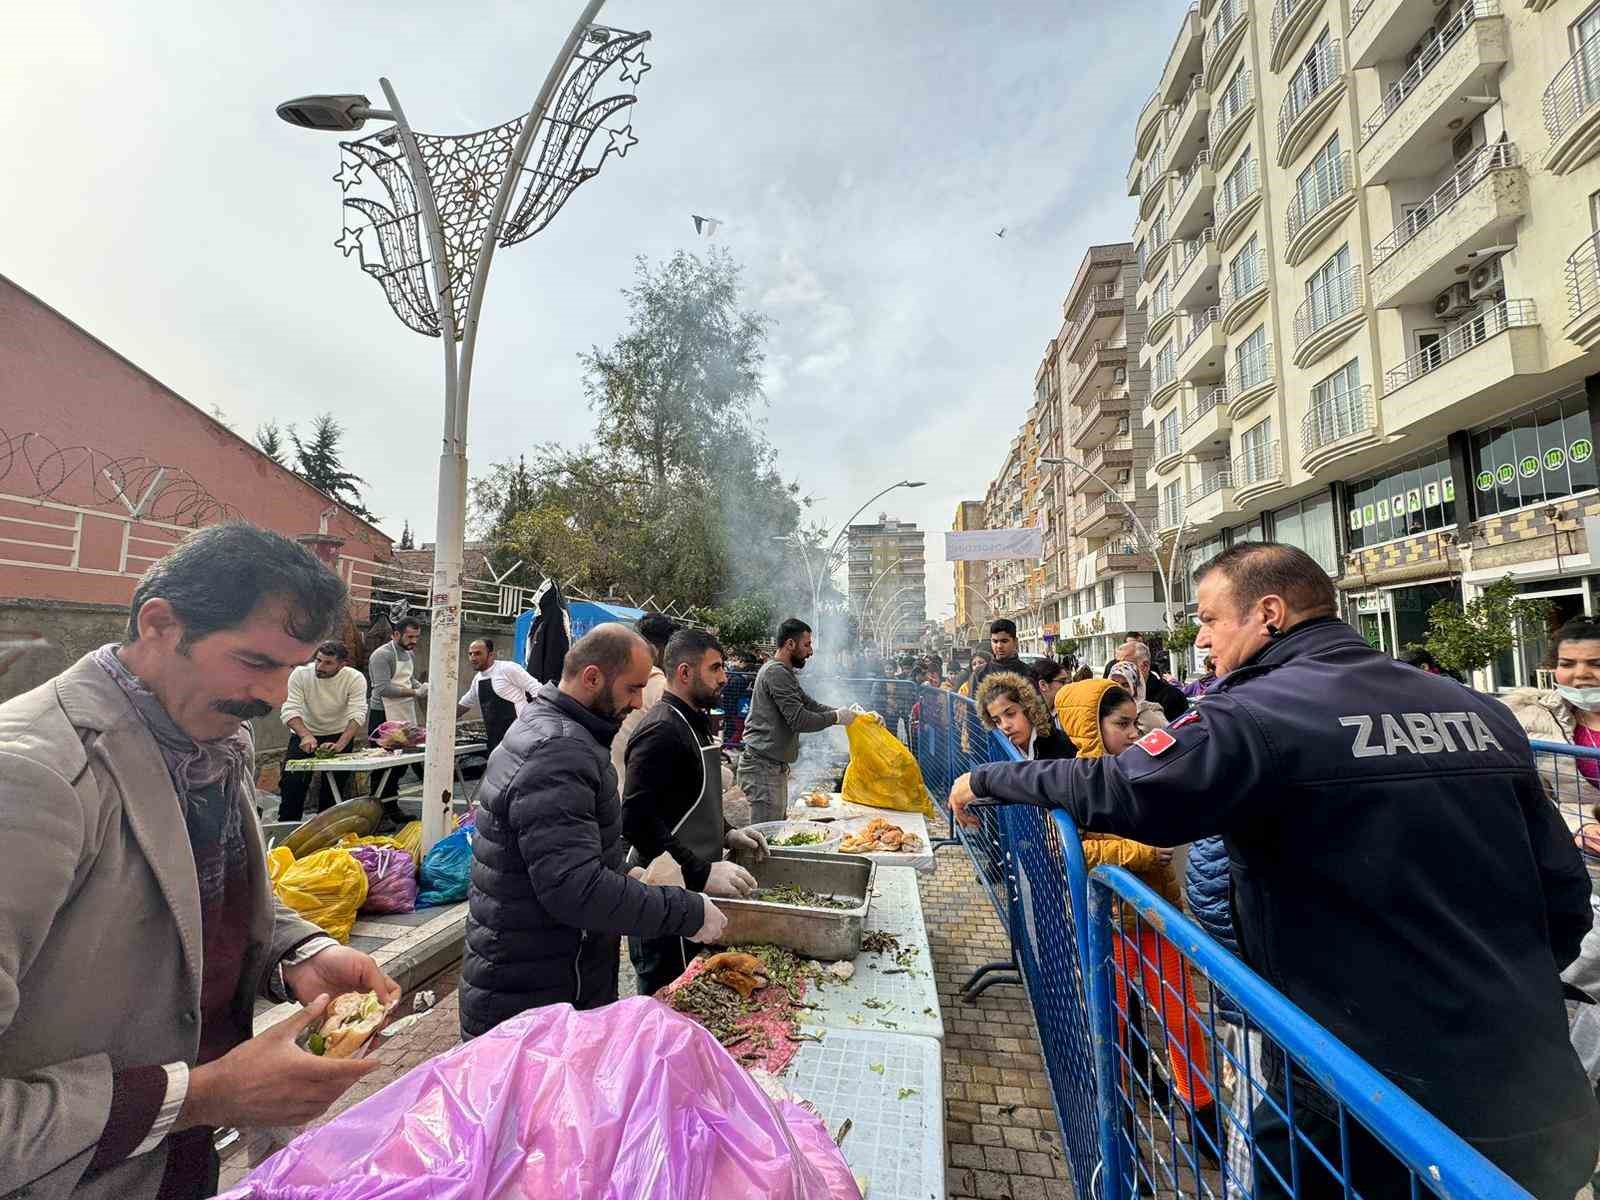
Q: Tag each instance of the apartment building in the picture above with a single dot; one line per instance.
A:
(886, 580)
(1367, 263)
(971, 619)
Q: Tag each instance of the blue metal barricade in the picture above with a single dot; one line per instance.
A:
(1571, 778)
(1273, 1105)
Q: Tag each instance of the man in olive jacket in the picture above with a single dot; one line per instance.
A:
(137, 922)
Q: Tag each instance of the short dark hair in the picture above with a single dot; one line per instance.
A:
(486, 643)
(689, 646)
(792, 630)
(1003, 625)
(405, 623)
(334, 650)
(1046, 669)
(610, 647)
(656, 629)
(1257, 569)
(218, 576)
(1578, 629)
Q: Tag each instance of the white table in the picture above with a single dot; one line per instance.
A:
(903, 998)
(852, 818)
(380, 763)
(891, 1088)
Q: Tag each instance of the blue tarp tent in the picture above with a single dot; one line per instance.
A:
(582, 616)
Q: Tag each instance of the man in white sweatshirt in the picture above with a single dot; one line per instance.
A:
(326, 706)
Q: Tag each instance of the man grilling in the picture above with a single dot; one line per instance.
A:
(500, 689)
(672, 801)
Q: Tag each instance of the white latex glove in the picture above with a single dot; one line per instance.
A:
(729, 879)
(714, 925)
(844, 715)
(422, 691)
(751, 840)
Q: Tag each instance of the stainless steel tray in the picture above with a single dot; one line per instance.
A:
(823, 933)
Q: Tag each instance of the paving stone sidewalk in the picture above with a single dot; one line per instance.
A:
(1000, 1131)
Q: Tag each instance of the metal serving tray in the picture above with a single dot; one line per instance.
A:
(823, 933)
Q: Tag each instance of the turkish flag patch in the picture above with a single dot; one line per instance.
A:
(1157, 741)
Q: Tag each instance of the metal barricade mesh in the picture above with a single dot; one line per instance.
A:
(1571, 778)
(1265, 1103)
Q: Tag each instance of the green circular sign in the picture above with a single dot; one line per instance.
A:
(1506, 473)
(1528, 465)
(1555, 458)
(1485, 481)
(1581, 450)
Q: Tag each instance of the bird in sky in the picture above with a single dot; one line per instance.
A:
(705, 226)
(1001, 233)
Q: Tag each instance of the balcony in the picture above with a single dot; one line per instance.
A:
(1330, 314)
(1188, 133)
(1204, 350)
(1210, 500)
(1237, 205)
(1251, 379)
(1163, 383)
(1196, 262)
(1103, 515)
(1168, 448)
(1156, 258)
(1114, 559)
(1583, 293)
(1205, 429)
(1571, 107)
(1479, 205)
(1169, 513)
(1151, 119)
(1443, 90)
(1242, 291)
(1257, 470)
(1102, 301)
(1162, 315)
(1485, 367)
(1229, 121)
(1105, 354)
(1290, 20)
(1385, 30)
(1113, 454)
(1226, 32)
(1337, 425)
(1316, 210)
(1099, 416)
(1313, 92)
(1153, 188)
(1191, 202)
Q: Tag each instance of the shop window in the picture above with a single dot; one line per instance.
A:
(1414, 497)
(1541, 455)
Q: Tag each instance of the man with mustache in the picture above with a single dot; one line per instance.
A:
(137, 921)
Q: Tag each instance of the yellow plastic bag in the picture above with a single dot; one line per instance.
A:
(882, 772)
(279, 861)
(326, 888)
(408, 838)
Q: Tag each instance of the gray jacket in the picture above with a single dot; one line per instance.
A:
(100, 954)
(780, 711)
(381, 667)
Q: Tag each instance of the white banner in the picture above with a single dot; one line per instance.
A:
(985, 545)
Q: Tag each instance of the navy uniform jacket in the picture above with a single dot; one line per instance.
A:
(1397, 871)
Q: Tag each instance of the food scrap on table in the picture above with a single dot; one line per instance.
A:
(881, 837)
(793, 894)
(818, 800)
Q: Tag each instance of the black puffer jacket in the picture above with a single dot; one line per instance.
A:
(550, 896)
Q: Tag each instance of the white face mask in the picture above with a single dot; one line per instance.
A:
(1588, 699)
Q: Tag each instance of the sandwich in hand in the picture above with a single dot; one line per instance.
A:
(349, 1023)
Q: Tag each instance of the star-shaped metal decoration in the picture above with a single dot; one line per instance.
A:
(622, 140)
(634, 67)
(349, 241)
(349, 175)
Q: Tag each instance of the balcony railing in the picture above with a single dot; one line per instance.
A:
(1211, 484)
(1201, 161)
(1209, 399)
(1509, 314)
(1315, 76)
(1229, 17)
(1335, 418)
(1185, 252)
(1230, 198)
(1465, 178)
(1168, 443)
(1163, 373)
(1340, 296)
(1433, 50)
(1225, 111)
(1574, 91)
(1153, 171)
(1169, 513)
(1249, 371)
(1259, 464)
(1197, 88)
(1326, 186)
(1583, 277)
(1244, 277)
(1199, 323)
(1359, 10)
(1281, 12)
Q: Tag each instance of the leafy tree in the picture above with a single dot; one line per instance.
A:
(270, 439)
(319, 463)
(408, 540)
(742, 622)
(1181, 637)
(1469, 637)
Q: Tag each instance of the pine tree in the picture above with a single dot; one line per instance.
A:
(318, 462)
(270, 438)
(408, 540)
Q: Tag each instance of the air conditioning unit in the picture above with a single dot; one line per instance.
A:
(1124, 476)
(1452, 302)
(1485, 279)
(1120, 375)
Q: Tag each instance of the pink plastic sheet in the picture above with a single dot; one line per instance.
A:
(628, 1102)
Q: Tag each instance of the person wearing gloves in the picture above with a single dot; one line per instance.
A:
(391, 671)
(551, 895)
(780, 711)
(672, 800)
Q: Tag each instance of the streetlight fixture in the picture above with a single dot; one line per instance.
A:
(441, 206)
(830, 557)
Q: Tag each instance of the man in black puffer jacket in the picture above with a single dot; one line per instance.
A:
(550, 895)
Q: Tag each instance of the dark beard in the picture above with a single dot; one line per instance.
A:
(245, 710)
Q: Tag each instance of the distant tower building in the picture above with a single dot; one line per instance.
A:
(887, 581)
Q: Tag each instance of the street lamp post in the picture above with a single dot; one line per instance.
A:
(446, 203)
(830, 557)
(890, 609)
(1144, 533)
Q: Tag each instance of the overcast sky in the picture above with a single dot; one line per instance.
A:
(861, 154)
